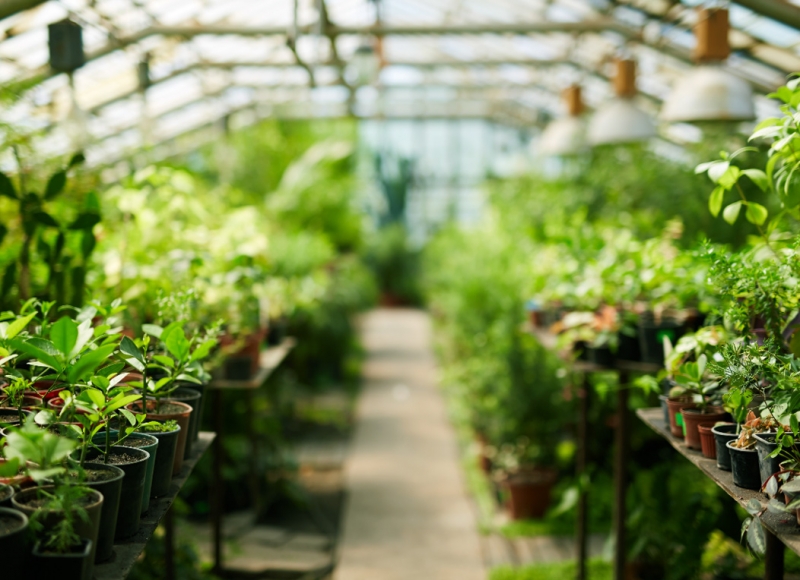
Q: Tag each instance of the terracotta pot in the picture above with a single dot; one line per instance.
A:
(46, 390)
(530, 492)
(693, 417)
(707, 442)
(29, 402)
(175, 410)
(675, 406)
(243, 363)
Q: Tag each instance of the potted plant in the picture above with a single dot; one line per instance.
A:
(167, 433)
(528, 484)
(692, 380)
(14, 544)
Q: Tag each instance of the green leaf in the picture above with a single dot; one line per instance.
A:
(77, 159)
(759, 178)
(56, 184)
(756, 213)
(6, 187)
(85, 221)
(152, 329)
(203, 350)
(164, 360)
(18, 325)
(96, 397)
(64, 334)
(85, 334)
(42, 350)
(730, 177)
(756, 537)
(715, 201)
(45, 219)
(717, 170)
(88, 243)
(129, 416)
(135, 363)
(127, 346)
(177, 344)
(122, 400)
(85, 366)
(732, 212)
(10, 467)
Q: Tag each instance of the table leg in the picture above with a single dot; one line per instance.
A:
(773, 557)
(216, 483)
(169, 545)
(252, 440)
(622, 437)
(581, 465)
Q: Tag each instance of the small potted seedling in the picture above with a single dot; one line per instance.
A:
(738, 401)
(693, 381)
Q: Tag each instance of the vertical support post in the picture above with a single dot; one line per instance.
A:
(169, 545)
(773, 557)
(621, 441)
(581, 465)
(216, 484)
(251, 438)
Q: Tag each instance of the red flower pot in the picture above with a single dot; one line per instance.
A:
(707, 443)
(675, 406)
(530, 492)
(693, 417)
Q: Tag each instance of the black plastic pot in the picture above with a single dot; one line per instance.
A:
(6, 493)
(601, 356)
(744, 465)
(14, 547)
(651, 339)
(77, 565)
(111, 489)
(765, 444)
(723, 434)
(130, 504)
(162, 468)
(629, 348)
(151, 447)
(192, 396)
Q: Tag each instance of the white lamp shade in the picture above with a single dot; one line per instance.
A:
(620, 121)
(709, 93)
(565, 136)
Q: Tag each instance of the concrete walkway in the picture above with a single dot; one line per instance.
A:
(408, 516)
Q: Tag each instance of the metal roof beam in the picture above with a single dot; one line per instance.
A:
(779, 10)
(11, 7)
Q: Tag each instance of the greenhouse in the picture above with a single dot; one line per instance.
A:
(400, 289)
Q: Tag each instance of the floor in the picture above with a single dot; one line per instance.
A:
(408, 515)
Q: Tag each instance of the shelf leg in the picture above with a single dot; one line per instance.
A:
(622, 437)
(773, 557)
(216, 484)
(251, 438)
(169, 545)
(581, 464)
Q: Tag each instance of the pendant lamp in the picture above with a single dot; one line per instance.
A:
(620, 120)
(567, 135)
(709, 92)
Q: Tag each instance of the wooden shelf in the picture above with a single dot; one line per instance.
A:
(269, 360)
(127, 551)
(784, 526)
(549, 340)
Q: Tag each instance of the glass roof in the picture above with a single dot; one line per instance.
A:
(209, 60)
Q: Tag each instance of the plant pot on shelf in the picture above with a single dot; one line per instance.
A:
(651, 339)
(133, 462)
(675, 406)
(765, 444)
(242, 364)
(144, 442)
(601, 356)
(628, 349)
(662, 399)
(693, 417)
(165, 458)
(744, 465)
(722, 435)
(6, 493)
(9, 416)
(107, 479)
(529, 492)
(75, 565)
(14, 547)
(708, 444)
(26, 501)
(193, 397)
(169, 410)
(29, 402)
(47, 389)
